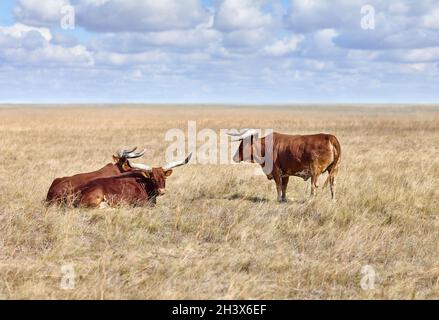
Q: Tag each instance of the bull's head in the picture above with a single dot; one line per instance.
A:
(246, 151)
(121, 157)
(158, 175)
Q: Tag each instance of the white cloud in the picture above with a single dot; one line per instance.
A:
(26, 45)
(231, 47)
(431, 20)
(284, 46)
(119, 59)
(312, 15)
(39, 12)
(115, 15)
(245, 39)
(241, 14)
(417, 67)
(18, 30)
(416, 55)
(199, 38)
(135, 15)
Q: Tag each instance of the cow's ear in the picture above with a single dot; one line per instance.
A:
(168, 172)
(146, 174)
(125, 166)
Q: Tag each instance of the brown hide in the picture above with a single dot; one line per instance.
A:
(305, 156)
(130, 188)
(63, 190)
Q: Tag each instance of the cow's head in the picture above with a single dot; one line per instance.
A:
(246, 151)
(158, 175)
(121, 157)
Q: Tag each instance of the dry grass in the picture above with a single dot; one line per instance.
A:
(219, 233)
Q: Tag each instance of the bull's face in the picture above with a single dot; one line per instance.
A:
(158, 177)
(239, 154)
(245, 151)
(246, 140)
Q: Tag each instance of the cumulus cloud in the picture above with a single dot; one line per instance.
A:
(134, 15)
(25, 45)
(284, 46)
(115, 15)
(244, 24)
(197, 38)
(241, 14)
(39, 13)
(312, 15)
(413, 55)
(19, 30)
(245, 39)
(227, 46)
(431, 20)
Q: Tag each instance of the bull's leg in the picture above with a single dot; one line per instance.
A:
(284, 187)
(278, 181)
(315, 174)
(313, 187)
(92, 200)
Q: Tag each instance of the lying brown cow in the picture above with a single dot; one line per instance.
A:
(137, 188)
(305, 156)
(63, 190)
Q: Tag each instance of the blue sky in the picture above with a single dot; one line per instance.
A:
(220, 51)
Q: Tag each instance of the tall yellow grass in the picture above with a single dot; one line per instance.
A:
(219, 232)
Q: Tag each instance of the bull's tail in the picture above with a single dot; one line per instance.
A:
(336, 163)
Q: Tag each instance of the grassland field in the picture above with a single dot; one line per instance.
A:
(219, 232)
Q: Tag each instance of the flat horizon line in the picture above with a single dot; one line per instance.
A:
(217, 103)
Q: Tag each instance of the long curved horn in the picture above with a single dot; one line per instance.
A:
(232, 134)
(133, 155)
(122, 152)
(247, 133)
(177, 163)
(129, 154)
(139, 166)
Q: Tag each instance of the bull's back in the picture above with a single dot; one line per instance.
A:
(299, 153)
(58, 189)
(61, 188)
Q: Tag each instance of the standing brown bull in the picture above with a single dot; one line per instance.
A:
(139, 187)
(305, 156)
(63, 190)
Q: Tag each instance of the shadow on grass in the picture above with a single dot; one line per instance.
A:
(234, 196)
(254, 199)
